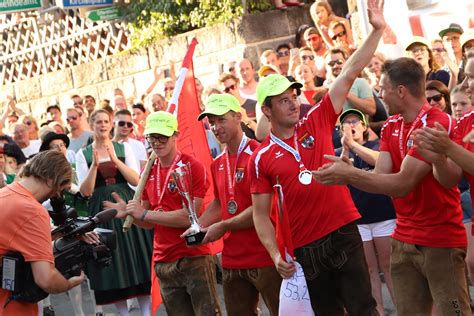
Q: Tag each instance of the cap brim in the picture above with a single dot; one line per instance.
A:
(294, 85)
(414, 43)
(206, 113)
(454, 30)
(157, 130)
(352, 112)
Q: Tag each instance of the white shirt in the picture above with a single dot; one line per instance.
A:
(252, 96)
(139, 151)
(33, 148)
(82, 169)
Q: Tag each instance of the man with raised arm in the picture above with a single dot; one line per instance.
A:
(429, 242)
(322, 219)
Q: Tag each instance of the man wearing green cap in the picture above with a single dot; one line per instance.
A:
(187, 275)
(248, 269)
(322, 219)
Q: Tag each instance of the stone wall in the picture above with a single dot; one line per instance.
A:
(132, 71)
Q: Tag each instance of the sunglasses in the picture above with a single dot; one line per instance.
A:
(71, 118)
(312, 38)
(435, 98)
(157, 138)
(169, 88)
(307, 57)
(123, 123)
(283, 53)
(340, 34)
(227, 89)
(334, 62)
(439, 50)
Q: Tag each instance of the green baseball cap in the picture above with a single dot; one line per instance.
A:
(161, 122)
(272, 85)
(347, 112)
(219, 104)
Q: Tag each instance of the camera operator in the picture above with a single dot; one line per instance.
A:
(28, 229)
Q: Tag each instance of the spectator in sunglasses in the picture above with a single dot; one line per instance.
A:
(230, 85)
(339, 36)
(309, 59)
(283, 53)
(78, 135)
(323, 15)
(437, 95)
(360, 95)
(32, 126)
(123, 128)
(315, 42)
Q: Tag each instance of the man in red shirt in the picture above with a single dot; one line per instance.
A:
(247, 268)
(322, 219)
(429, 242)
(27, 228)
(187, 275)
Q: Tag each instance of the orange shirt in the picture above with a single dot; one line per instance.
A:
(26, 229)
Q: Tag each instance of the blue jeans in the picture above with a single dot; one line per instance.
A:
(336, 273)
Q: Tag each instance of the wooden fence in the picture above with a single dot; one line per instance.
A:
(34, 44)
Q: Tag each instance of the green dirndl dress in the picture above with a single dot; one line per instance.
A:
(129, 273)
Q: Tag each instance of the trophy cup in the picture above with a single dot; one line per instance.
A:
(183, 180)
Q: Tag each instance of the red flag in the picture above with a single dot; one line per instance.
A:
(155, 294)
(283, 232)
(192, 140)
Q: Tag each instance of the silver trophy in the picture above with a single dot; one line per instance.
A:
(183, 179)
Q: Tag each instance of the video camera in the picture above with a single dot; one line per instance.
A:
(70, 254)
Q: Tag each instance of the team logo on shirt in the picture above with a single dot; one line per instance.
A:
(172, 186)
(239, 175)
(307, 141)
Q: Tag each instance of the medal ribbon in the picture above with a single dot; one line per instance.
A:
(293, 151)
(401, 139)
(159, 191)
(230, 180)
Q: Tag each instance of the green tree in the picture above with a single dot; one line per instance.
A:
(153, 20)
